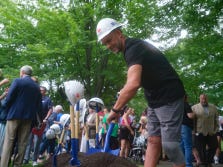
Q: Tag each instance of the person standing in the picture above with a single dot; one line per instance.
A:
(3, 115)
(205, 129)
(23, 101)
(47, 109)
(104, 126)
(186, 133)
(126, 133)
(91, 126)
(219, 138)
(163, 89)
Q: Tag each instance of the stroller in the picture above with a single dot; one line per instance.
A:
(138, 146)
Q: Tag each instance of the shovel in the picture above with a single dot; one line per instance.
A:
(74, 91)
(74, 134)
(58, 147)
(97, 127)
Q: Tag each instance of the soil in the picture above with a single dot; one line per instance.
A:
(94, 160)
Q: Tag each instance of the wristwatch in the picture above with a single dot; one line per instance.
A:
(116, 111)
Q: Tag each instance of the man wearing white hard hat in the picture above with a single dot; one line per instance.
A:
(164, 91)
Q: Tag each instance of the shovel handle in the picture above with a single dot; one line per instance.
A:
(72, 121)
(76, 124)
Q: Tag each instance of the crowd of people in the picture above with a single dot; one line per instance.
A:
(39, 144)
(31, 135)
(31, 123)
(201, 130)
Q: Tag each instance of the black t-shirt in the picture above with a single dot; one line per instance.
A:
(186, 120)
(160, 81)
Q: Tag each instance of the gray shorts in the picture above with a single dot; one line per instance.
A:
(166, 121)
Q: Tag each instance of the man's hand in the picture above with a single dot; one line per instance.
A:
(112, 116)
(45, 120)
(5, 81)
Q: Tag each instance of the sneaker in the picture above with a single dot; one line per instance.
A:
(216, 161)
(35, 163)
(41, 157)
(40, 161)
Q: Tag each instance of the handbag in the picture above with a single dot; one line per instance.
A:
(39, 129)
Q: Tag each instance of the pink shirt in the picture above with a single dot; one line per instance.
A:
(123, 122)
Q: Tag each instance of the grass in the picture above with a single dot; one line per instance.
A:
(29, 165)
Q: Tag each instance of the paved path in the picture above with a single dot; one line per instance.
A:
(169, 164)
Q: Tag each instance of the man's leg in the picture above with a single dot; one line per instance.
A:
(212, 147)
(174, 153)
(170, 117)
(154, 140)
(218, 150)
(2, 136)
(153, 151)
(23, 136)
(37, 141)
(10, 134)
(28, 148)
(43, 146)
(186, 144)
(200, 143)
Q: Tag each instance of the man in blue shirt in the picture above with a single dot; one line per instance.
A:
(47, 109)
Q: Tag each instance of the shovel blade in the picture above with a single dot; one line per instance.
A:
(93, 150)
(114, 152)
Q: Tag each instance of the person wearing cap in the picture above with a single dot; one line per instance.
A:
(58, 113)
(163, 89)
(22, 103)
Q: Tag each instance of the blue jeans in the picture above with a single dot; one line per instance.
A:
(47, 144)
(37, 142)
(186, 144)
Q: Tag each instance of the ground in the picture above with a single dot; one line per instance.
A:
(94, 160)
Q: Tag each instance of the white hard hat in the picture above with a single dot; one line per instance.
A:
(50, 134)
(105, 26)
(56, 128)
(96, 102)
(64, 119)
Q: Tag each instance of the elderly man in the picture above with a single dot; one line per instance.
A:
(206, 126)
(164, 91)
(23, 101)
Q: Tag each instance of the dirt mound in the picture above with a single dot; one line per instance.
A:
(94, 160)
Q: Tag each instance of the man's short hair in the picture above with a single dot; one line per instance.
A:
(27, 69)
